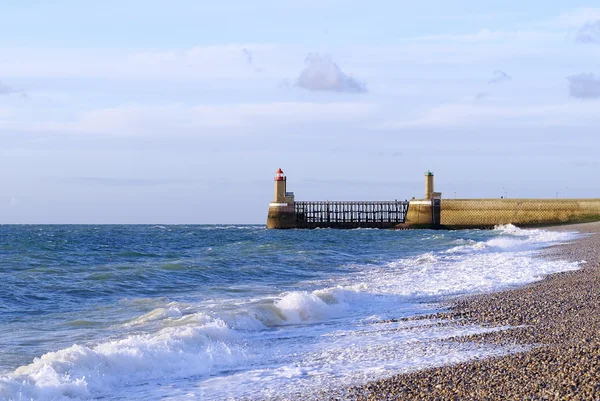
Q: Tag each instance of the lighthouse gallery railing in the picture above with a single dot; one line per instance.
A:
(372, 214)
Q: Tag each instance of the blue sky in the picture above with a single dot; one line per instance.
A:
(182, 111)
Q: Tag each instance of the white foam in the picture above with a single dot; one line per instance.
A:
(349, 357)
(475, 266)
(514, 239)
(80, 372)
(299, 307)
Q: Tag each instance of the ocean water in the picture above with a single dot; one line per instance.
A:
(240, 312)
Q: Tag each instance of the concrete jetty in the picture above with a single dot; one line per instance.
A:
(432, 211)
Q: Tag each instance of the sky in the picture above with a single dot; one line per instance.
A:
(181, 112)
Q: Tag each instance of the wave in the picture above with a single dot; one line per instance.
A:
(511, 238)
(81, 372)
(194, 344)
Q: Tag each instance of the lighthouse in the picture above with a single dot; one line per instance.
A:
(428, 185)
(279, 187)
(281, 209)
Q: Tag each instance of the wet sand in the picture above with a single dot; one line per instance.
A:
(559, 317)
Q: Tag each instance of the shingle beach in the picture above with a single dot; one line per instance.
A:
(559, 317)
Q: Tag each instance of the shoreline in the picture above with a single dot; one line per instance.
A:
(558, 316)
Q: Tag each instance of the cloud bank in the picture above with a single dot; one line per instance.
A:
(486, 114)
(207, 120)
(589, 33)
(584, 86)
(322, 74)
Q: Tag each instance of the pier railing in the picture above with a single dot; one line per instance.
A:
(332, 214)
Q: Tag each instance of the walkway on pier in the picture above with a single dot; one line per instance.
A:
(366, 214)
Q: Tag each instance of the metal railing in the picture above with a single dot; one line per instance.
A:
(340, 214)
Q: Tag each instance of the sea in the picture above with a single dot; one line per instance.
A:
(239, 312)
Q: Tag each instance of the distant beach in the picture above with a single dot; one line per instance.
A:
(559, 317)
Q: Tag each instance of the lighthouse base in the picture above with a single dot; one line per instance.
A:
(281, 215)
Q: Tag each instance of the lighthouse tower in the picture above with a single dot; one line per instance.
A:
(281, 209)
(428, 185)
(280, 187)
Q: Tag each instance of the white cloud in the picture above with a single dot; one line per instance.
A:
(206, 119)
(499, 76)
(322, 74)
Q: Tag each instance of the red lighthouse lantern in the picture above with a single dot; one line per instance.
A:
(279, 175)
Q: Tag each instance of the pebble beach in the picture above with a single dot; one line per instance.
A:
(557, 320)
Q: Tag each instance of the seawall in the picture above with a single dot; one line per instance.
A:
(487, 213)
(458, 214)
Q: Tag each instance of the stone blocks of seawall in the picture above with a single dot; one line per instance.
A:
(485, 213)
